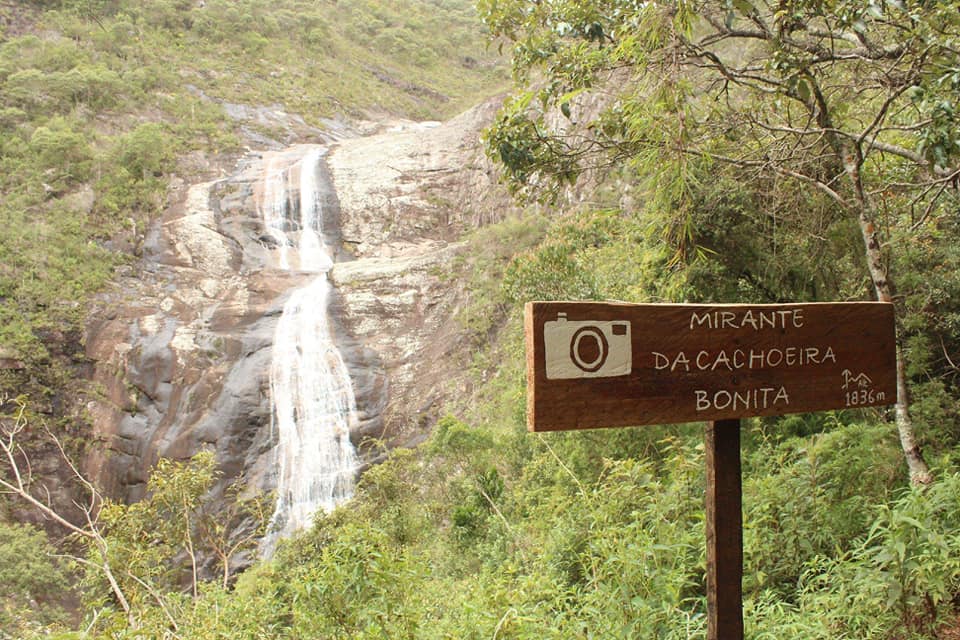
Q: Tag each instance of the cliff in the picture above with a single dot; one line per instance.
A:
(182, 344)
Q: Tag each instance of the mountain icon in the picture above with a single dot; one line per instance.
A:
(860, 381)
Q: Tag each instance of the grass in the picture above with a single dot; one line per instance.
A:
(99, 98)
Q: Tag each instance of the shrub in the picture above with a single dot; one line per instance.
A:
(61, 152)
(31, 580)
(146, 151)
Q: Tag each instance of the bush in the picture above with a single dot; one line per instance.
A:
(61, 152)
(146, 152)
(31, 580)
(811, 497)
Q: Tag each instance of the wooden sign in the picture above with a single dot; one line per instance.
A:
(592, 364)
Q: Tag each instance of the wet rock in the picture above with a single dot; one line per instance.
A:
(182, 347)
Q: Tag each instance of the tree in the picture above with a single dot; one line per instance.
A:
(235, 529)
(30, 577)
(138, 557)
(18, 482)
(851, 102)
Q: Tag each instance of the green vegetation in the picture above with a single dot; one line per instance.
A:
(32, 583)
(750, 127)
(98, 100)
(727, 173)
(488, 531)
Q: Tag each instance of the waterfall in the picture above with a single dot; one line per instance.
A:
(313, 401)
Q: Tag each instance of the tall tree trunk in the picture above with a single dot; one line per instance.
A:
(919, 471)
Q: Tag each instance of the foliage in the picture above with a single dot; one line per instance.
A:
(481, 267)
(928, 268)
(579, 261)
(812, 497)
(828, 129)
(487, 531)
(134, 576)
(99, 97)
(146, 541)
(771, 121)
(453, 542)
(32, 581)
(144, 536)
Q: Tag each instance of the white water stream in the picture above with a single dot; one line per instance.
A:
(313, 401)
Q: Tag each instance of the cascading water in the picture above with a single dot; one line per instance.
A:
(313, 401)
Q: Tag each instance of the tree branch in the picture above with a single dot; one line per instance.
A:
(22, 490)
(820, 186)
(159, 600)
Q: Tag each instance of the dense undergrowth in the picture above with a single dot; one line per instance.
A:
(485, 531)
(488, 531)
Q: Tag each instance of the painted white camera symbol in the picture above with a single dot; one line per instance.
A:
(587, 348)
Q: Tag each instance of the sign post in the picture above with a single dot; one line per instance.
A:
(593, 364)
(724, 531)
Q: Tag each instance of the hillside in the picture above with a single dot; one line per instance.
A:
(759, 153)
(104, 102)
(111, 113)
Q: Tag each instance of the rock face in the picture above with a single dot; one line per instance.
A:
(406, 198)
(182, 347)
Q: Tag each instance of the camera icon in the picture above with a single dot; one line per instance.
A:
(587, 348)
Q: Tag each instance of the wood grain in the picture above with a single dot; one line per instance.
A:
(711, 362)
(724, 528)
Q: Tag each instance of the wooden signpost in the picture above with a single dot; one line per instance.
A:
(595, 364)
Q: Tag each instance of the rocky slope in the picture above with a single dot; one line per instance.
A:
(182, 345)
